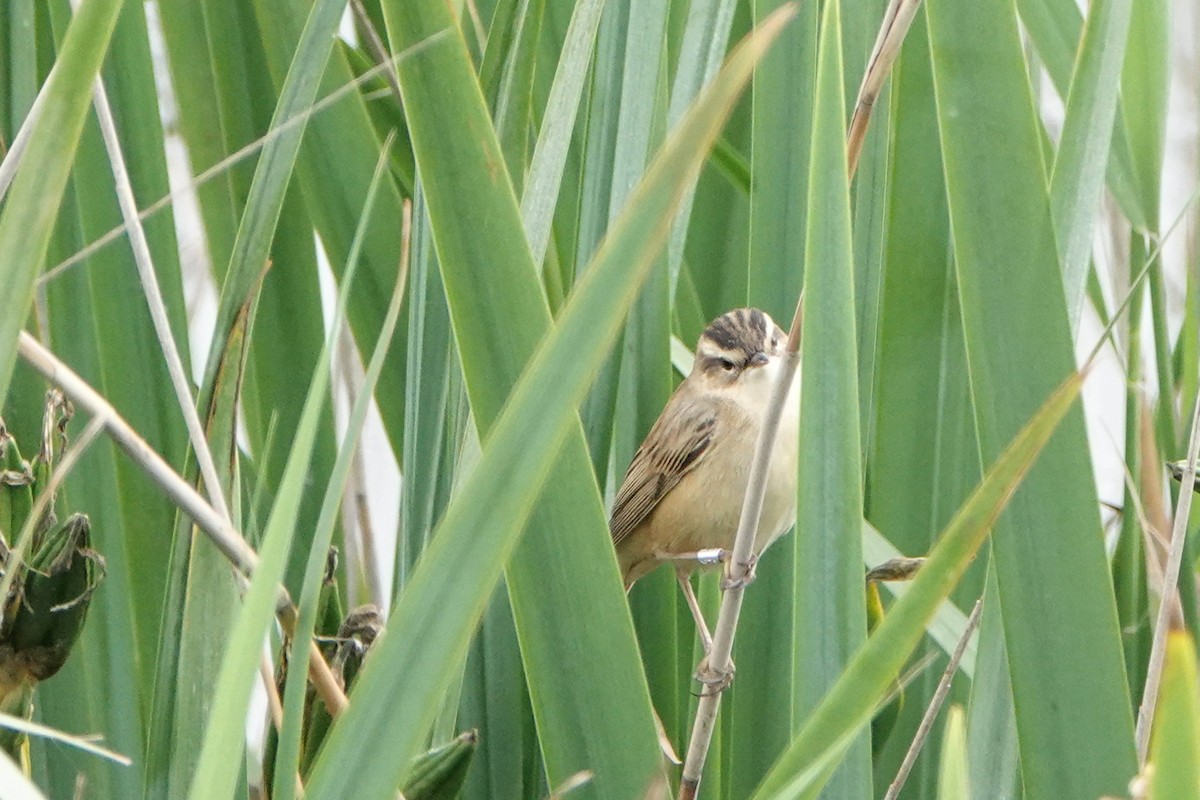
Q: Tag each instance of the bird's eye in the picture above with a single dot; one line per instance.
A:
(727, 365)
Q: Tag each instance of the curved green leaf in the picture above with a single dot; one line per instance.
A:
(37, 190)
(831, 613)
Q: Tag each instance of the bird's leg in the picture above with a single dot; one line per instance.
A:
(730, 582)
(705, 558)
(714, 680)
(701, 626)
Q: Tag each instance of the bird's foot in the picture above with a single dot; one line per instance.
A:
(712, 679)
(749, 573)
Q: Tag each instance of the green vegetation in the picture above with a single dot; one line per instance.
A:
(516, 216)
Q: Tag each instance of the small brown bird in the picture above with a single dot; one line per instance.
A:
(684, 489)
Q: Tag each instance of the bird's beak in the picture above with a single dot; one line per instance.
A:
(759, 359)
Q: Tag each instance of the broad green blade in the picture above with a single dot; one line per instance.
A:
(208, 67)
(264, 202)
(849, 705)
(513, 99)
(491, 285)
(202, 597)
(831, 613)
(872, 201)
(1145, 85)
(991, 721)
(645, 382)
(1074, 734)
(35, 195)
(1174, 766)
(96, 318)
(1054, 28)
(915, 480)
(227, 99)
(702, 45)
(595, 214)
(1145, 88)
(21, 77)
(954, 782)
(550, 153)
(784, 88)
(224, 739)
(446, 595)
(432, 363)
(641, 363)
(334, 168)
(1079, 166)
(288, 759)
(762, 710)
(120, 324)
(1129, 566)
(543, 573)
(279, 367)
(494, 700)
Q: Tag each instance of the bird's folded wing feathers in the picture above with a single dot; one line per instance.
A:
(674, 446)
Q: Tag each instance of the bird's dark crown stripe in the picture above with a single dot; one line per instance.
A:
(758, 324)
(743, 330)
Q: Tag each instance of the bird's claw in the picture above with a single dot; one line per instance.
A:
(729, 581)
(714, 680)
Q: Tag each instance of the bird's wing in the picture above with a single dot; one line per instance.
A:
(674, 446)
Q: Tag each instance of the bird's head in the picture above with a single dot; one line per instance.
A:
(735, 347)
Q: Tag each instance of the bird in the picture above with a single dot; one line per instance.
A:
(681, 497)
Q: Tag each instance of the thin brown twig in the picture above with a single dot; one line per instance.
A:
(935, 705)
(896, 21)
(275, 706)
(274, 703)
(228, 540)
